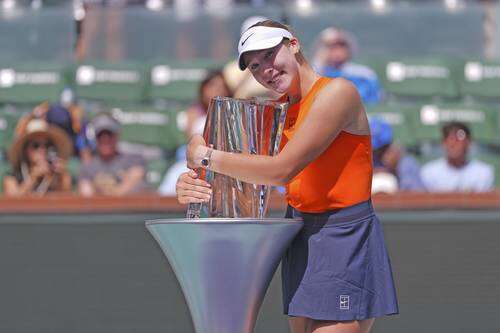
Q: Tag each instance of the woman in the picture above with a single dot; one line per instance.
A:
(213, 85)
(38, 158)
(336, 274)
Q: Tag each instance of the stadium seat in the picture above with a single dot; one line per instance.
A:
(44, 34)
(156, 169)
(399, 118)
(493, 159)
(178, 80)
(126, 82)
(4, 169)
(414, 28)
(420, 79)
(429, 118)
(32, 83)
(146, 125)
(481, 80)
(8, 121)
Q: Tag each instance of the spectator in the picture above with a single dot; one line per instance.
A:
(455, 171)
(38, 156)
(111, 172)
(66, 115)
(213, 85)
(393, 169)
(334, 50)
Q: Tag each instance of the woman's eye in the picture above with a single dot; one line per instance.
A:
(268, 54)
(254, 66)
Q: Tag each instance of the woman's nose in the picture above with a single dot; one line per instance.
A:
(268, 72)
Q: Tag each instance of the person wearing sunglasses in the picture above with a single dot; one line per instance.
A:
(334, 49)
(38, 157)
(111, 172)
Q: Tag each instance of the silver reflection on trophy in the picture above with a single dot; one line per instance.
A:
(240, 126)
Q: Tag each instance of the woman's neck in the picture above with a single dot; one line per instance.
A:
(305, 80)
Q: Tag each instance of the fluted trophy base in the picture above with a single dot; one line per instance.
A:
(224, 266)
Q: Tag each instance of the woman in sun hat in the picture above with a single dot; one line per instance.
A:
(38, 157)
(336, 274)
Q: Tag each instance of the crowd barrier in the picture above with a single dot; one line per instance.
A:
(89, 265)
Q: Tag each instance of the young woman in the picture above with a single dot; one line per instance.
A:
(336, 275)
(38, 157)
(214, 84)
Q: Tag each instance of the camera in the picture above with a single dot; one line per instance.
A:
(52, 156)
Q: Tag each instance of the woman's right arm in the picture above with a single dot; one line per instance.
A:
(190, 188)
(13, 189)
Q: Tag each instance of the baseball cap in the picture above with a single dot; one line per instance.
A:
(384, 182)
(105, 122)
(260, 38)
(381, 132)
(60, 116)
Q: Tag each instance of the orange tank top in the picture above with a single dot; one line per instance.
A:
(340, 177)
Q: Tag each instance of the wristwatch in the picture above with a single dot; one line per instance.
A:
(205, 161)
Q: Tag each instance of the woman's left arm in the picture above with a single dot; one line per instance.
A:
(334, 109)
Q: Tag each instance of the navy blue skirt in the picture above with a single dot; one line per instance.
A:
(337, 268)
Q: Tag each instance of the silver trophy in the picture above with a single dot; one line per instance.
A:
(240, 126)
(224, 263)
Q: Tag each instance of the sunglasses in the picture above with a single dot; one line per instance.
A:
(104, 133)
(336, 44)
(35, 145)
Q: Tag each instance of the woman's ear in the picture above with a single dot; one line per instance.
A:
(294, 45)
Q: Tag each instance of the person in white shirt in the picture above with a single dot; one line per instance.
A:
(456, 172)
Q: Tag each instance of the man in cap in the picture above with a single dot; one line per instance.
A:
(456, 171)
(390, 159)
(111, 172)
(334, 49)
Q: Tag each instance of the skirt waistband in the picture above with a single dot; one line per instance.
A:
(348, 214)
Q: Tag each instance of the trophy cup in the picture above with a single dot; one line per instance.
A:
(225, 262)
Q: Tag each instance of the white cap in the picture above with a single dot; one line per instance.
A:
(260, 38)
(384, 182)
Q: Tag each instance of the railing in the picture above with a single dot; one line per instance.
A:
(151, 203)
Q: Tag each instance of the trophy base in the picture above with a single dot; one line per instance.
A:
(224, 265)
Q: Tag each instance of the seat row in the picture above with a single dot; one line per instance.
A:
(403, 79)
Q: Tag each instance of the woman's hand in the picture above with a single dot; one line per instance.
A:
(190, 188)
(40, 170)
(59, 165)
(196, 150)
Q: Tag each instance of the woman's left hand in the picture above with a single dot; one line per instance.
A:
(59, 165)
(196, 150)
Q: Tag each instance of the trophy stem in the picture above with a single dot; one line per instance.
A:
(224, 266)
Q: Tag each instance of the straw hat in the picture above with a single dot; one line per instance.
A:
(40, 128)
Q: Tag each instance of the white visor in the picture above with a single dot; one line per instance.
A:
(260, 38)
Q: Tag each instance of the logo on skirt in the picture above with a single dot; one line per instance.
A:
(344, 302)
